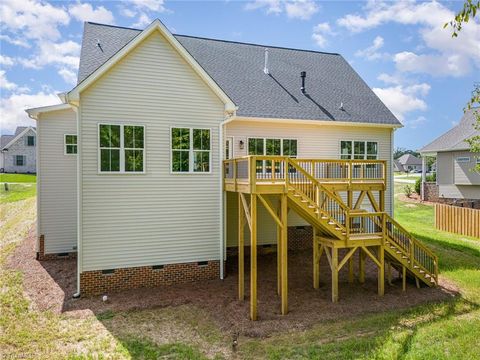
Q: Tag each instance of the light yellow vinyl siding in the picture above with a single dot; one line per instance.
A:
(312, 142)
(57, 179)
(157, 217)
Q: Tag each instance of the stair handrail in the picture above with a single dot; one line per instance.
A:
(323, 189)
(417, 243)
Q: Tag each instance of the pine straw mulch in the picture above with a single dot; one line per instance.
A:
(50, 285)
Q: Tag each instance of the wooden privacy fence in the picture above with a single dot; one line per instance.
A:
(457, 220)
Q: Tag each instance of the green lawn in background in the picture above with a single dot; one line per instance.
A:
(18, 178)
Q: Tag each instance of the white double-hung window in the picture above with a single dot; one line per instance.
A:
(190, 150)
(359, 150)
(121, 148)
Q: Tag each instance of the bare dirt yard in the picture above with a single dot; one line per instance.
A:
(51, 284)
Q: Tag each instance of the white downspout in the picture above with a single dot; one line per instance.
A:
(76, 109)
(223, 199)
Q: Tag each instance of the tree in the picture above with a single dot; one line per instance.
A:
(469, 11)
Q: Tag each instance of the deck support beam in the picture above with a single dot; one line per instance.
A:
(381, 271)
(279, 251)
(284, 245)
(241, 250)
(253, 257)
(334, 268)
(316, 260)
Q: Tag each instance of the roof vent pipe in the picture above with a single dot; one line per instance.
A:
(265, 68)
(303, 75)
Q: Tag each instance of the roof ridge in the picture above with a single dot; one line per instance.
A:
(253, 44)
(225, 41)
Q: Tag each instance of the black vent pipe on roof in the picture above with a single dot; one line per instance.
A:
(303, 75)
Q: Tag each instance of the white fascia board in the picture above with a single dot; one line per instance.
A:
(315, 122)
(74, 95)
(28, 128)
(34, 112)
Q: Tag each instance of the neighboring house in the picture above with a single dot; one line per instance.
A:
(18, 151)
(131, 165)
(456, 177)
(410, 162)
(397, 166)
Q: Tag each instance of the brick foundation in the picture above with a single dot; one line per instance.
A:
(41, 256)
(101, 282)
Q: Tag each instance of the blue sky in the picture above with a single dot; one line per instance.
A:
(399, 48)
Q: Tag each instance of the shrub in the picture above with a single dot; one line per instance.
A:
(407, 190)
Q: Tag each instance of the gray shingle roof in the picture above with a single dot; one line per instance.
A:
(238, 69)
(5, 139)
(397, 166)
(409, 159)
(454, 139)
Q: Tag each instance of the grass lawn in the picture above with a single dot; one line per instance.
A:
(448, 330)
(18, 178)
(17, 192)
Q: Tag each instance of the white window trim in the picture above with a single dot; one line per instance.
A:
(190, 151)
(65, 144)
(353, 149)
(271, 138)
(462, 159)
(122, 150)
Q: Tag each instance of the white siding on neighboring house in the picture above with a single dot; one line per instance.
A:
(313, 141)
(157, 217)
(21, 148)
(57, 182)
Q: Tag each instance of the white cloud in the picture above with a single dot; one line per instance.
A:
(272, 6)
(151, 5)
(295, 9)
(62, 54)
(319, 32)
(143, 21)
(69, 76)
(5, 84)
(413, 124)
(389, 79)
(6, 61)
(437, 65)
(86, 12)
(301, 9)
(32, 19)
(18, 42)
(448, 56)
(402, 99)
(371, 52)
(13, 108)
(127, 12)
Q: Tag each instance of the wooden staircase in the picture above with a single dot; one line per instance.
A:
(328, 213)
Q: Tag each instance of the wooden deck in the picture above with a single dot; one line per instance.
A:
(322, 192)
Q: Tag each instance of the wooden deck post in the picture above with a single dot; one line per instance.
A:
(316, 260)
(241, 250)
(404, 278)
(279, 250)
(334, 267)
(361, 266)
(381, 271)
(381, 197)
(284, 221)
(253, 257)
